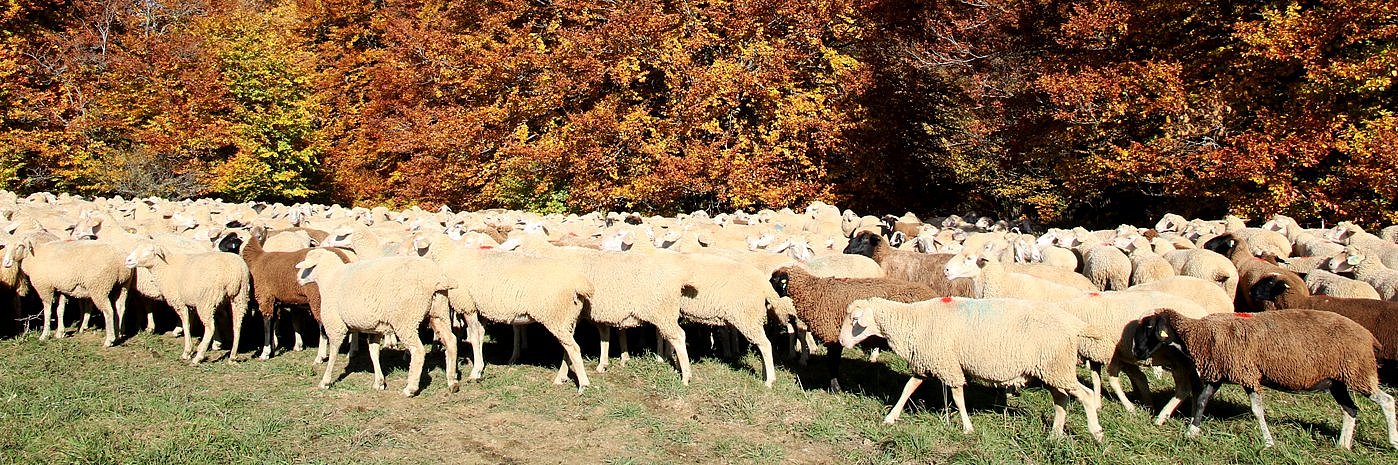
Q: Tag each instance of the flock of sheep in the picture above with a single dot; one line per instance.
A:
(1208, 301)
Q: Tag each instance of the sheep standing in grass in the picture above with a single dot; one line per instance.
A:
(205, 282)
(359, 298)
(1291, 349)
(822, 303)
(1380, 317)
(1001, 341)
(78, 270)
(274, 281)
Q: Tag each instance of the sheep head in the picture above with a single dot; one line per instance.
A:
(315, 263)
(864, 243)
(1154, 333)
(964, 266)
(860, 323)
(145, 256)
(780, 280)
(1224, 245)
(1347, 262)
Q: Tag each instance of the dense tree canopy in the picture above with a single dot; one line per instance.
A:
(1096, 111)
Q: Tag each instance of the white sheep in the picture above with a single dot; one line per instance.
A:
(1005, 342)
(390, 295)
(1321, 282)
(205, 282)
(1205, 293)
(1207, 265)
(1368, 269)
(79, 270)
(993, 281)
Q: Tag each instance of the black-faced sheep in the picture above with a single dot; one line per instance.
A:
(1297, 350)
(1380, 317)
(905, 265)
(1250, 269)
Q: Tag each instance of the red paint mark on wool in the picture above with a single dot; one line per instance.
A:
(947, 300)
(487, 247)
(1243, 315)
(1094, 294)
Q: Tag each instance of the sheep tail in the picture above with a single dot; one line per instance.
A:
(242, 301)
(1092, 343)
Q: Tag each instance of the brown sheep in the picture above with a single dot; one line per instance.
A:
(823, 303)
(1380, 317)
(908, 265)
(1293, 350)
(1250, 269)
(274, 281)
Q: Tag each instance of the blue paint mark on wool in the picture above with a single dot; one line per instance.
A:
(979, 309)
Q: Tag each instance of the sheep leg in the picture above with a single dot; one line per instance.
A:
(375, 344)
(236, 317)
(188, 350)
(1094, 369)
(47, 299)
(119, 308)
(573, 354)
(336, 337)
(1182, 390)
(87, 312)
(1090, 406)
(1257, 411)
(410, 339)
(832, 363)
(207, 318)
(913, 383)
(104, 305)
(1139, 384)
(62, 328)
(604, 341)
(442, 326)
(790, 341)
(1060, 410)
(1201, 401)
(475, 334)
(625, 355)
(958, 395)
(1341, 394)
(268, 330)
(299, 344)
(519, 331)
(1386, 403)
(755, 335)
(673, 335)
(802, 338)
(354, 344)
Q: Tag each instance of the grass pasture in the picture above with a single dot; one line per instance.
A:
(72, 401)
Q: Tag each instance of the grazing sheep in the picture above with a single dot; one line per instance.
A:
(992, 281)
(222, 280)
(1005, 342)
(1327, 283)
(822, 303)
(78, 270)
(902, 264)
(1291, 349)
(1368, 270)
(358, 298)
(1250, 269)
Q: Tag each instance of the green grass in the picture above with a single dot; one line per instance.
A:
(71, 401)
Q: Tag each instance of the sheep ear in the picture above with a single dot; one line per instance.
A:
(982, 261)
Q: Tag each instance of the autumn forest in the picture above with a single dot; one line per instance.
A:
(1092, 111)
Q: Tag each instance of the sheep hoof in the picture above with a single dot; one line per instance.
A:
(216, 345)
(1192, 432)
(409, 392)
(185, 356)
(1099, 436)
(889, 421)
(601, 368)
(380, 384)
(834, 385)
(108, 343)
(44, 337)
(177, 332)
(453, 387)
(231, 361)
(324, 386)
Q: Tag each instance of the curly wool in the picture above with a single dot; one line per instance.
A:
(1379, 317)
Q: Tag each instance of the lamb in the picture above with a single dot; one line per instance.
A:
(991, 281)
(223, 280)
(98, 275)
(822, 303)
(1250, 268)
(1368, 270)
(1380, 317)
(905, 265)
(1333, 285)
(357, 298)
(1291, 349)
(953, 339)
